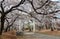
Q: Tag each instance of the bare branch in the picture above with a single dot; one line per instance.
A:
(21, 2)
(54, 11)
(48, 3)
(2, 1)
(28, 13)
(31, 2)
(7, 21)
(2, 5)
(34, 17)
(8, 26)
(50, 12)
(20, 10)
(43, 5)
(0, 11)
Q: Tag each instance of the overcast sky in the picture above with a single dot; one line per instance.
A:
(57, 15)
(55, 0)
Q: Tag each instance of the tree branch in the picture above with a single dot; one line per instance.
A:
(43, 5)
(2, 5)
(34, 17)
(21, 2)
(31, 2)
(1, 12)
(28, 13)
(8, 26)
(7, 21)
(50, 12)
(19, 10)
(54, 12)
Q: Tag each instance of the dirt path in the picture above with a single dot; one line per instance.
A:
(40, 36)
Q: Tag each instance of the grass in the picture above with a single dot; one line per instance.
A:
(12, 35)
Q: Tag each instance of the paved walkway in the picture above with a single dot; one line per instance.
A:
(40, 36)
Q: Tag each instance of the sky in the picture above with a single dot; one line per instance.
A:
(55, 0)
(57, 15)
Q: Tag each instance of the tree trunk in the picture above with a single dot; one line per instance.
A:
(8, 28)
(52, 29)
(2, 24)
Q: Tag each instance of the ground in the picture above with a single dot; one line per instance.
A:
(49, 32)
(41, 35)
